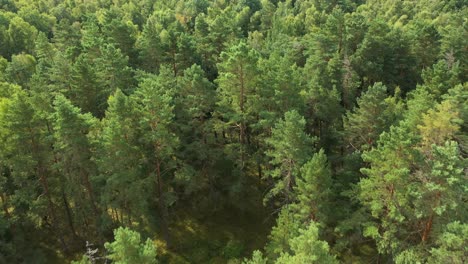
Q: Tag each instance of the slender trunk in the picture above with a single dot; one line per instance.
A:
(119, 216)
(51, 209)
(174, 62)
(129, 211)
(260, 173)
(89, 189)
(114, 215)
(241, 102)
(4, 205)
(427, 228)
(69, 214)
(45, 186)
(161, 205)
(42, 178)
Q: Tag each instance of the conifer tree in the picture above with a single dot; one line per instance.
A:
(121, 167)
(27, 154)
(155, 100)
(375, 113)
(290, 149)
(313, 190)
(411, 187)
(307, 248)
(128, 248)
(73, 153)
(238, 81)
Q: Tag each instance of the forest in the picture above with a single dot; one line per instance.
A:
(233, 131)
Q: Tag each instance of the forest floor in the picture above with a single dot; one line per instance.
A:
(224, 236)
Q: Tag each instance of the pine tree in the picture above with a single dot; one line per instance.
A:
(120, 165)
(451, 244)
(257, 258)
(313, 190)
(307, 248)
(73, 154)
(128, 248)
(84, 87)
(120, 31)
(238, 81)
(411, 188)
(113, 72)
(287, 227)
(20, 69)
(374, 114)
(290, 149)
(150, 46)
(194, 104)
(21, 35)
(27, 153)
(155, 100)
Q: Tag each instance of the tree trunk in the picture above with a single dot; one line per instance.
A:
(162, 207)
(4, 205)
(427, 228)
(69, 214)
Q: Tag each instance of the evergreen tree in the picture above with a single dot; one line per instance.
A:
(21, 35)
(155, 100)
(450, 245)
(238, 81)
(73, 154)
(128, 248)
(307, 248)
(194, 104)
(27, 155)
(413, 188)
(180, 117)
(290, 149)
(313, 190)
(257, 258)
(374, 114)
(121, 167)
(20, 69)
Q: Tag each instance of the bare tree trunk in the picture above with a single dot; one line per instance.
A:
(162, 207)
(4, 205)
(69, 214)
(89, 189)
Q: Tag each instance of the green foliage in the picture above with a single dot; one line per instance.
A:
(21, 35)
(233, 249)
(20, 69)
(441, 77)
(313, 189)
(155, 115)
(451, 245)
(410, 182)
(290, 149)
(307, 248)
(128, 248)
(83, 260)
(287, 227)
(384, 55)
(374, 114)
(119, 161)
(257, 258)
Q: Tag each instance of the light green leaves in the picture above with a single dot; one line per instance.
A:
(128, 248)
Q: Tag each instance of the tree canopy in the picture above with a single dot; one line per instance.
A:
(233, 131)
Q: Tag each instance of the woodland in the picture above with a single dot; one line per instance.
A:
(233, 131)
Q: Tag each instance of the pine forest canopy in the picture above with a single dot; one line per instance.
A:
(233, 131)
